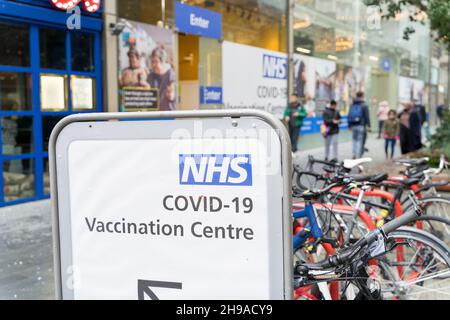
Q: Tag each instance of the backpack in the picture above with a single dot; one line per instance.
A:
(356, 114)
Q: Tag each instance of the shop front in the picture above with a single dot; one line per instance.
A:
(50, 67)
(213, 55)
(341, 47)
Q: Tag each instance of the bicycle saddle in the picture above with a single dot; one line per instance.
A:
(413, 162)
(310, 195)
(417, 169)
(410, 182)
(376, 179)
(415, 175)
(350, 164)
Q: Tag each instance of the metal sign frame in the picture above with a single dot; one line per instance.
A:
(269, 119)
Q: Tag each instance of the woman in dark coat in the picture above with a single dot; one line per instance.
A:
(405, 132)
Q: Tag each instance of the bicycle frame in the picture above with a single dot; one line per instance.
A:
(313, 229)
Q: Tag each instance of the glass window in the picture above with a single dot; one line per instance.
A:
(83, 52)
(46, 176)
(15, 50)
(146, 11)
(48, 123)
(83, 93)
(17, 135)
(53, 92)
(15, 91)
(53, 49)
(18, 177)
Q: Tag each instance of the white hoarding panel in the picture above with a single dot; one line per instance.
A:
(411, 90)
(254, 78)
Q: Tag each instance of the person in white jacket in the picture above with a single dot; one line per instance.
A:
(382, 115)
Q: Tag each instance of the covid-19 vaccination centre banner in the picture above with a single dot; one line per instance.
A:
(254, 78)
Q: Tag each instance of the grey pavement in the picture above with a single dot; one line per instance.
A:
(26, 259)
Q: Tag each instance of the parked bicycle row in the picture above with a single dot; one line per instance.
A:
(367, 237)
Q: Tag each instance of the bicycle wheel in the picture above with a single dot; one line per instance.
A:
(438, 206)
(417, 268)
(437, 226)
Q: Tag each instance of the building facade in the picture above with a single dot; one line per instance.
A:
(367, 53)
(47, 71)
(339, 47)
(223, 63)
(59, 57)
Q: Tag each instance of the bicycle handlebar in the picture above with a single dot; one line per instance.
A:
(347, 255)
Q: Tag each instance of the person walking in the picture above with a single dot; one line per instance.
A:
(382, 115)
(417, 119)
(294, 115)
(331, 121)
(407, 137)
(391, 133)
(440, 111)
(359, 124)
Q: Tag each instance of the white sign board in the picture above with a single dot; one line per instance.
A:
(82, 93)
(411, 90)
(171, 209)
(53, 92)
(254, 78)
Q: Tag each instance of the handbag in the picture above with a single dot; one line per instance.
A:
(324, 130)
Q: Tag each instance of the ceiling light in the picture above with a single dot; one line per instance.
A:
(303, 50)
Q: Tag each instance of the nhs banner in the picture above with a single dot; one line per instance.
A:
(211, 95)
(194, 20)
(256, 80)
(274, 67)
(216, 170)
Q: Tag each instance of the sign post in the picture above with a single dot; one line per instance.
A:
(195, 205)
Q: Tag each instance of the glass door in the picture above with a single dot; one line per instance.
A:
(210, 74)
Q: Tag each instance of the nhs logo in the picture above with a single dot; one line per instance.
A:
(274, 67)
(216, 170)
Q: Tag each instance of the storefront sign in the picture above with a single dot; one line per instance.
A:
(138, 99)
(194, 20)
(89, 6)
(164, 209)
(255, 80)
(211, 95)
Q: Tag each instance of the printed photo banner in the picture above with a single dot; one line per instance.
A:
(147, 78)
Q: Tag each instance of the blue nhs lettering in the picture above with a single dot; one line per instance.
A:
(274, 67)
(216, 170)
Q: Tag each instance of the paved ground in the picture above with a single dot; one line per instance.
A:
(26, 261)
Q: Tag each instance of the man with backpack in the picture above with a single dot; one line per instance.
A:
(359, 123)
